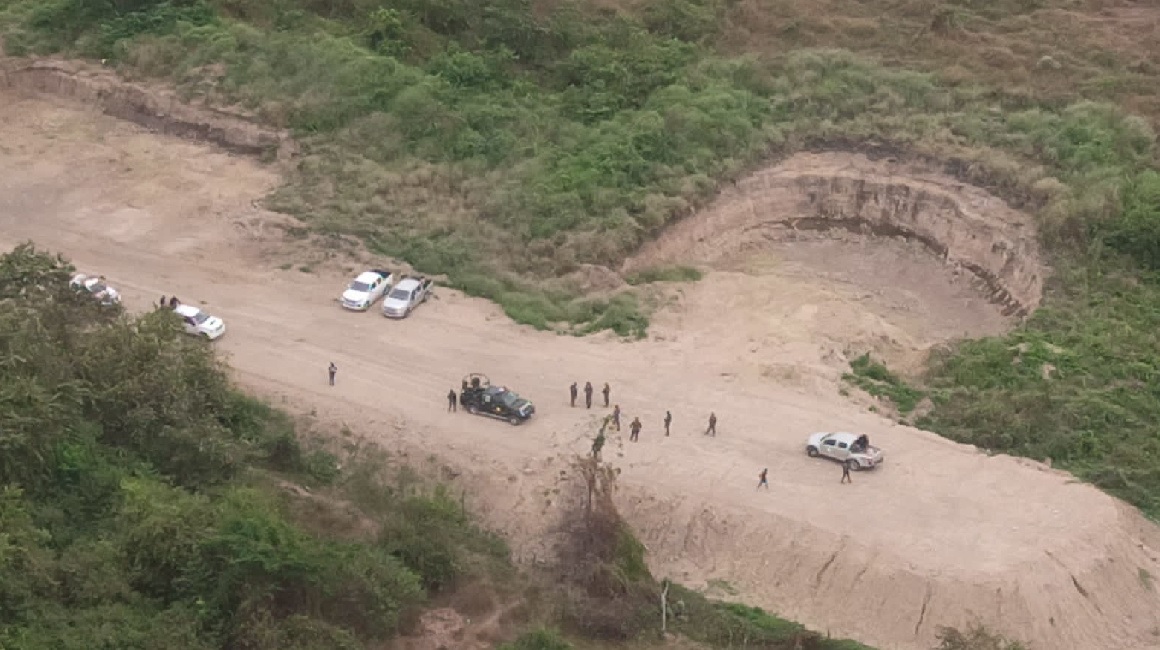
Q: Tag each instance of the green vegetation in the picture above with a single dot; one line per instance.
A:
(876, 379)
(730, 625)
(144, 503)
(139, 498)
(538, 639)
(665, 274)
(505, 146)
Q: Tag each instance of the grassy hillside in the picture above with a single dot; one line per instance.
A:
(146, 505)
(506, 143)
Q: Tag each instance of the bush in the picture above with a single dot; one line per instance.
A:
(129, 510)
(540, 639)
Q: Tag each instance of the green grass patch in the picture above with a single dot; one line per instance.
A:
(665, 274)
(730, 625)
(876, 379)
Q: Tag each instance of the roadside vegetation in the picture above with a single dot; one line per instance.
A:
(506, 143)
(146, 504)
(142, 501)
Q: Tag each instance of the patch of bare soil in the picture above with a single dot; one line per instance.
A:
(157, 109)
(940, 535)
(829, 255)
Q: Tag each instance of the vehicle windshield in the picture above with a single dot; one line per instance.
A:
(97, 287)
(508, 398)
(360, 286)
(200, 317)
(400, 294)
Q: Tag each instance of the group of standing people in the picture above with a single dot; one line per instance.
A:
(614, 419)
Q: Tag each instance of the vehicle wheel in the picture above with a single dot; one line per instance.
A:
(812, 451)
(853, 465)
(514, 421)
(473, 410)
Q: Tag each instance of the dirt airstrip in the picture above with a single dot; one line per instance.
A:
(941, 535)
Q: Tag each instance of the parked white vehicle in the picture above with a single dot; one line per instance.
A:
(852, 449)
(97, 287)
(408, 294)
(364, 290)
(199, 323)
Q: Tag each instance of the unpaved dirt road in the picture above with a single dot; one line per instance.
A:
(940, 535)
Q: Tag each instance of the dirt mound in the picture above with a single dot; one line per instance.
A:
(965, 226)
(158, 110)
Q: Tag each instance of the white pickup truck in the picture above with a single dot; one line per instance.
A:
(410, 292)
(97, 287)
(199, 323)
(853, 450)
(364, 290)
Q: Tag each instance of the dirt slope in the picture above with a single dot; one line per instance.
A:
(942, 534)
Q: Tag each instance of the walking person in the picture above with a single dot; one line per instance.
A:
(574, 392)
(452, 405)
(606, 391)
(588, 394)
(763, 479)
(846, 474)
(668, 422)
(616, 417)
(332, 371)
(162, 303)
(635, 429)
(712, 430)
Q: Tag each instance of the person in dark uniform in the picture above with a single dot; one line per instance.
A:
(598, 443)
(162, 303)
(616, 417)
(763, 479)
(173, 302)
(668, 421)
(607, 390)
(588, 394)
(712, 430)
(452, 405)
(635, 429)
(332, 371)
(574, 392)
(846, 474)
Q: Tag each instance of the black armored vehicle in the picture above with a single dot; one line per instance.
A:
(479, 397)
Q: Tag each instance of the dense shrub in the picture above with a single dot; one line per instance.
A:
(128, 512)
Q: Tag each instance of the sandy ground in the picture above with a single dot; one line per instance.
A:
(940, 535)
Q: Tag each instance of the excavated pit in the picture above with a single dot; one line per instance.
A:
(155, 109)
(964, 226)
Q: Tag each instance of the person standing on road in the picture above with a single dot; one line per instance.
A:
(635, 429)
(763, 479)
(162, 303)
(574, 392)
(588, 394)
(712, 430)
(173, 302)
(451, 403)
(668, 421)
(597, 443)
(616, 417)
(332, 371)
(607, 390)
(846, 474)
